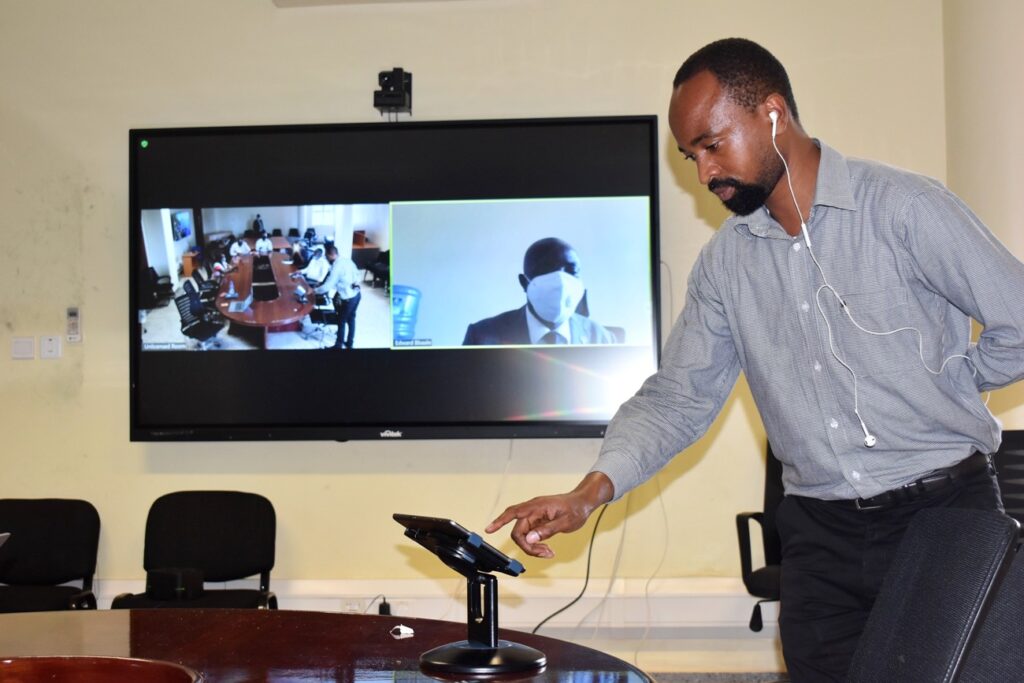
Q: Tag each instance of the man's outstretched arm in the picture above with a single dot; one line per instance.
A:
(538, 519)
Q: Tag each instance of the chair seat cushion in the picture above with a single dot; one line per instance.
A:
(239, 598)
(36, 598)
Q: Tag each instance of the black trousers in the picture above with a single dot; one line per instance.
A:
(346, 310)
(834, 558)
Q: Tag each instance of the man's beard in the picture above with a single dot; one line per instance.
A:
(749, 197)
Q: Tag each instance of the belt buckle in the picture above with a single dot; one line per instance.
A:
(862, 507)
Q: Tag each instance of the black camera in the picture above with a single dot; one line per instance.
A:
(395, 94)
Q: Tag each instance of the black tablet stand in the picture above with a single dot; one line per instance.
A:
(482, 653)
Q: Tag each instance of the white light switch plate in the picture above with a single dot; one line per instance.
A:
(23, 348)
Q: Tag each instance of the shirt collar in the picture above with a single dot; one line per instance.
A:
(832, 188)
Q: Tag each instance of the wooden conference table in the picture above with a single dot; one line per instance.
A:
(280, 313)
(281, 645)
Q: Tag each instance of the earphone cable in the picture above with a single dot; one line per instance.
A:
(845, 308)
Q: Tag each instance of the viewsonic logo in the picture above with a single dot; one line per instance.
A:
(391, 434)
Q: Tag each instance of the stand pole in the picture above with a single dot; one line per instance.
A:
(482, 652)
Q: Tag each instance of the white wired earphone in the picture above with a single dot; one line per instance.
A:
(869, 439)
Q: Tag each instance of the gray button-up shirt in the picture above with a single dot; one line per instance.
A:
(903, 252)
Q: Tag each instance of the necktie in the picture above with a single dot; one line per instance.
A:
(552, 337)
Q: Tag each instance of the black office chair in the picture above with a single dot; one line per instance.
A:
(155, 290)
(276, 232)
(53, 541)
(293, 233)
(995, 652)
(364, 257)
(380, 270)
(203, 282)
(763, 582)
(1009, 462)
(196, 326)
(214, 536)
(938, 586)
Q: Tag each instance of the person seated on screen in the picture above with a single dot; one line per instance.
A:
(551, 281)
(300, 254)
(220, 267)
(316, 270)
(342, 285)
(239, 248)
(263, 243)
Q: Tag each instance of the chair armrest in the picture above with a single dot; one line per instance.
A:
(116, 603)
(743, 520)
(82, 600)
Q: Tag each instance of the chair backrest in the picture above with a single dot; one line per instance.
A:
(1009, 462)
(938, 585)
(53, 541)
(195, 301)
(773, 495)
(226, 534)
(184, 304)
(995, 652)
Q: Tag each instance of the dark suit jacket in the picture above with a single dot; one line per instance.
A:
(510, 328)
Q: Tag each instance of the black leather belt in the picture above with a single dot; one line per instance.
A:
(935, 481)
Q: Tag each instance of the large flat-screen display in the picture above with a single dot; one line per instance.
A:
(407, 280)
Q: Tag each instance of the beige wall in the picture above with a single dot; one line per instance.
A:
(985, 132)
(77, 75)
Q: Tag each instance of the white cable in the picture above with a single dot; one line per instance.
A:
(599, 607)
(657, 569)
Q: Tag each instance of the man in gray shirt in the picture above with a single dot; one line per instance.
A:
(844, 290)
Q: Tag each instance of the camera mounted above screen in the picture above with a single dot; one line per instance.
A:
(395, 94)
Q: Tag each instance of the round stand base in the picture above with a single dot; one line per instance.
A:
(463, 657)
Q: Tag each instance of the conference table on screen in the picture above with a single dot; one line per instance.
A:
(281, 313)
(282, 645)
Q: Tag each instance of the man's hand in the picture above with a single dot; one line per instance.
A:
(538, 519)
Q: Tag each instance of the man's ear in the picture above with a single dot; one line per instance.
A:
(523, 281)
(777, 103)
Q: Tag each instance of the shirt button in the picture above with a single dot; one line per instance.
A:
(855, 474)
(834, 423)
(817, 366)
(805, 307)
(796, 246)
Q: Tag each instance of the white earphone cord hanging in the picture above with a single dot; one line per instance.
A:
(869, 439)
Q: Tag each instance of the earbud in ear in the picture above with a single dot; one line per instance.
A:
(774, 116)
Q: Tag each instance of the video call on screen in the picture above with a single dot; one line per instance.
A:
(453, 206)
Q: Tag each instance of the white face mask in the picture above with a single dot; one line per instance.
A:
(555, 296)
